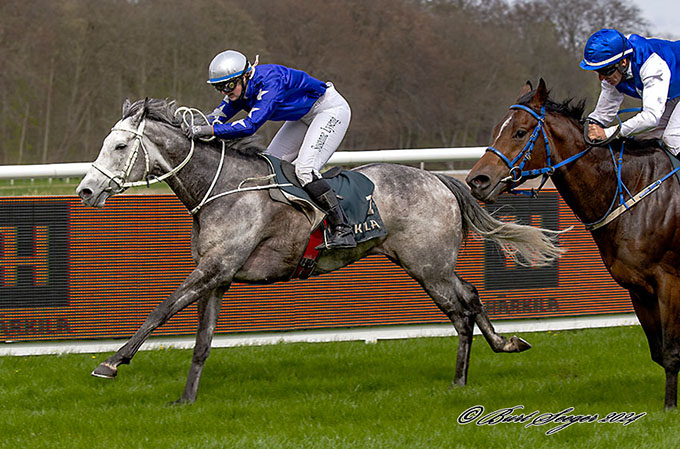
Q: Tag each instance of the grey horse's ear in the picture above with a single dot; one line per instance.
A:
(126, 107)
(141, 115)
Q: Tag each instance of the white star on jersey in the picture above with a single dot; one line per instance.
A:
(239, 122)
(260, 94)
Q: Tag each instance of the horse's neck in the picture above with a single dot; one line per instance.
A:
(192, 182)
(589, 184)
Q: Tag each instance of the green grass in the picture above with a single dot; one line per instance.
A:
(393, 394)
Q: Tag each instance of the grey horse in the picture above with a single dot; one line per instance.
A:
(240, 235)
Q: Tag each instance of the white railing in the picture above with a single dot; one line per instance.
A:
(78, 169)
(422, 155)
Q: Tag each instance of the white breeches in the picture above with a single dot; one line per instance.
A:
(310, 141)
(668, 128)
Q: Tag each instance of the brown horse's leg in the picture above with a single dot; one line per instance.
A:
(208, 311)
(647, 310)
(205, 278)
(669, 313)
(671, 399)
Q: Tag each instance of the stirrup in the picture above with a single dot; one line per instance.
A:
(340, 238)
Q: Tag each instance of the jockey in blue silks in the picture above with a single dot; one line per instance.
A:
(315, 119)
(638, 67)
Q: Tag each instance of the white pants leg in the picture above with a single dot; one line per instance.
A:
(671, 135)
(315, 137)
(286, 143)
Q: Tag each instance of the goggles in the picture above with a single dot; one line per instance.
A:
(228, 86)
(609, 70)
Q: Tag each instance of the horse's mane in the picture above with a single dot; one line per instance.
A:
(566, 108)
(163, 111)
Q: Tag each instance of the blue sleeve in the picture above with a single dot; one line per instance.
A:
(266, 101)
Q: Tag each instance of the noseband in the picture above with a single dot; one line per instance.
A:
(516, 165)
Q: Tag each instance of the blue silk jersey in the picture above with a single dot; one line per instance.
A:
(642, 48)
(275, 93)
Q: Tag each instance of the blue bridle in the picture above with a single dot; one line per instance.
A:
(516, 165)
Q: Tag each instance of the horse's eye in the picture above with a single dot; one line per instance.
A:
(121, 146)
(519, 134)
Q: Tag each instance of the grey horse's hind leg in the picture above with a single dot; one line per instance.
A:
(498, 343)
(452, 297)
(464, 313)
(464, 325)
(208, 311)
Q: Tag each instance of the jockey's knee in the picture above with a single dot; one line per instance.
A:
(672, 141)
(306, 174)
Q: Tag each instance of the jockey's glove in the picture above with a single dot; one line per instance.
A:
(198, 131)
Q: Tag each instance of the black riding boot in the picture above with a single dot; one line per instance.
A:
(341, 232)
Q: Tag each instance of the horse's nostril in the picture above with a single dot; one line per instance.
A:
(478, 182)
(85, 193)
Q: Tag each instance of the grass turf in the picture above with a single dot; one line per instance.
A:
(393, 394)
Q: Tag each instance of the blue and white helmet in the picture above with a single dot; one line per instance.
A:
(604, 48)
(227, 65)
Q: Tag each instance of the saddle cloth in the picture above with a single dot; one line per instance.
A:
(674, 162)
(354, 191)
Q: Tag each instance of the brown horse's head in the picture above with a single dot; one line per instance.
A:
(519, 148)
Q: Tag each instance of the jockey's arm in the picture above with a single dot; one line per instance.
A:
(223, 112)
(656, 79)
(264, 106)
(608, 104)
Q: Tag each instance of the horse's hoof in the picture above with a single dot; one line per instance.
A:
(519, 344)
(105, 371)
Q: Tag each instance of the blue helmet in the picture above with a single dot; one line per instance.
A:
(604, 48)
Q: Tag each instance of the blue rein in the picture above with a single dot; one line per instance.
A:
(517, 171)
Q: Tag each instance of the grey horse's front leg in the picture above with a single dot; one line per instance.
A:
(205, 278)
(208, 311)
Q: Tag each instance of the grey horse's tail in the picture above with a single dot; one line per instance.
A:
(526, 245)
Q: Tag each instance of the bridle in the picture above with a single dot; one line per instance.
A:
(517, 172)
(119, 182)
(517, 164)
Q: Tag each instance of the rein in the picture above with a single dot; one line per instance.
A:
(517, 171)
(624, 206)
(121, 180)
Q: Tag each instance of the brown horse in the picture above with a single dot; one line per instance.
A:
(640, 248)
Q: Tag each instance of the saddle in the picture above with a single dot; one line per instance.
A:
(354, 192)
